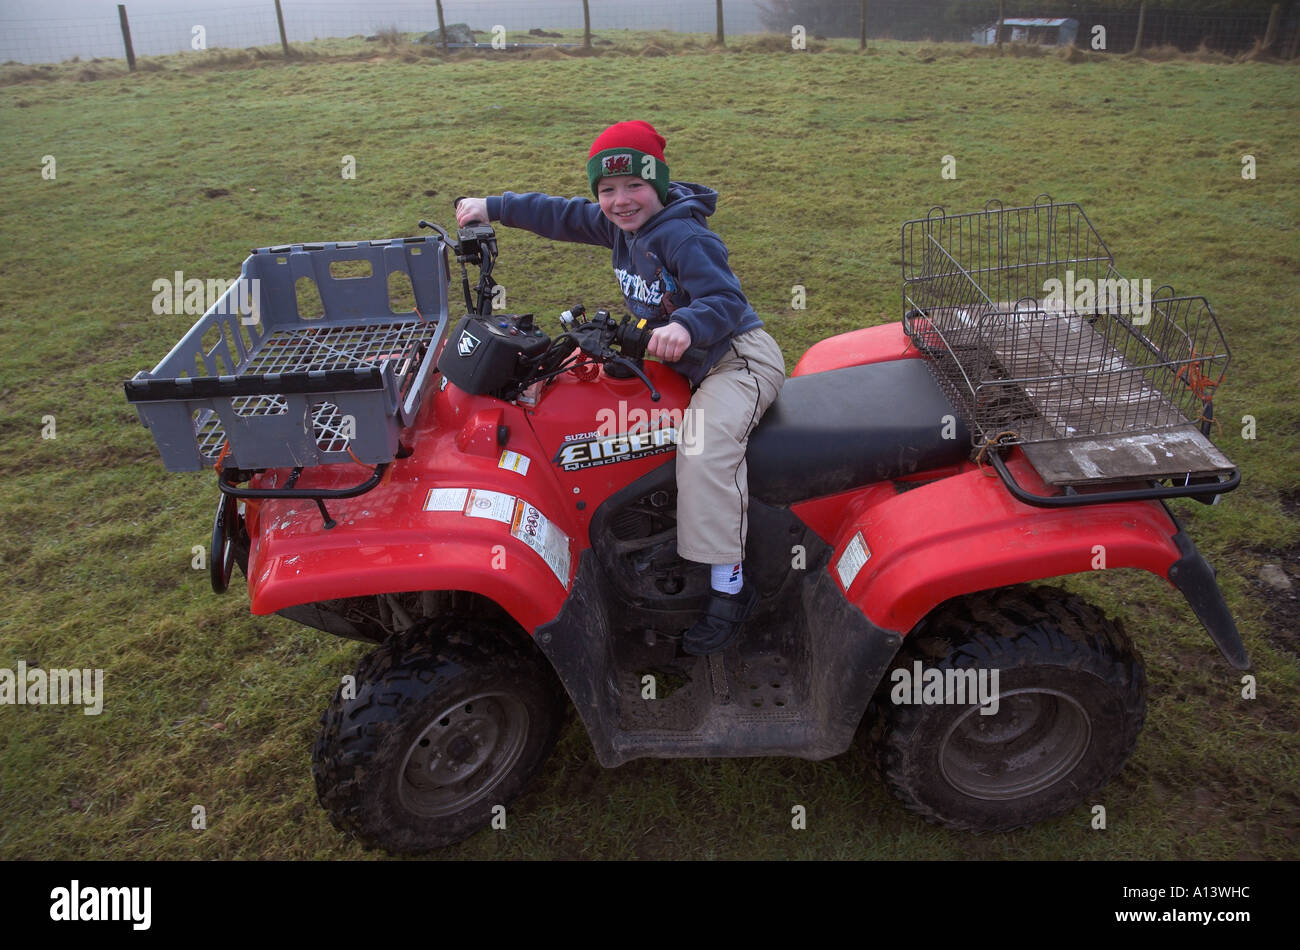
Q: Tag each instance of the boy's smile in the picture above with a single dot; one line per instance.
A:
(628, 201)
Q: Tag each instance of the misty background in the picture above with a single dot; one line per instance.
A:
(47, 31)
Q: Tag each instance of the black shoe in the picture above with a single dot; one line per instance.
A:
(722, 620)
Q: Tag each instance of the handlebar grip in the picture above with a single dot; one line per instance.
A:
(696, 354)
(455, 204)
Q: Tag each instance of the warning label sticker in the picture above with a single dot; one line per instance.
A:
(536, 530)
(855, 556)
(446, 499)
(490, 504)
(514, 462)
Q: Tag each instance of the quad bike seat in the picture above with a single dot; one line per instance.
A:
(832, 431)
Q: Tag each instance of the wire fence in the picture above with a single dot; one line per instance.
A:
(976, 21)
(191, 24)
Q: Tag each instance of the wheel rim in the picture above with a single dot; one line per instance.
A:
(1036, 738)
(463, 754)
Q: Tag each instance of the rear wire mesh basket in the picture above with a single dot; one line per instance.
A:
(1034, 336)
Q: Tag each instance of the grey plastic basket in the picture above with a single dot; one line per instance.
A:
(282, 386)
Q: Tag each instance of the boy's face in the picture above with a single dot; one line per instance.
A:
(628, 201)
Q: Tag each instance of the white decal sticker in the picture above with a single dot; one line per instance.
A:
(446, 499)
(514, 462)
(535, 530)
(490, 504)
(855, 556)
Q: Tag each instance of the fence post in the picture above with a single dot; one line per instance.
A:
(442, 27)
(126, 36)
(1001, 11)
(721, 38)
(1270, 34)
(586, 24)
(862, 40)
(279, 19)
(1142, 16)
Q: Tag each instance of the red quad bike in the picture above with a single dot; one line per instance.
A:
(495, 508)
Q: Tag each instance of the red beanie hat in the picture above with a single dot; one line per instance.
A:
(629, 148)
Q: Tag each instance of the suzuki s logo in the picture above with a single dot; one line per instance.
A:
(468, 342)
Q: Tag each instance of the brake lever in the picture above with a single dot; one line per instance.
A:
(446, 238)
(594, 338)
(624, 361)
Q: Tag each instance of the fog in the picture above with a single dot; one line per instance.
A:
(53, 30)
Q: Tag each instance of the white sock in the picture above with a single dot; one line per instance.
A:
(726, 578)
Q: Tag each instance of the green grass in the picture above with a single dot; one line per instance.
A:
(818, 159)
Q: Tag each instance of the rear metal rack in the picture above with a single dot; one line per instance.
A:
(1038, 341)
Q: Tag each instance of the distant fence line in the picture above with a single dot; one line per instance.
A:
(269, 23)
(937, 21)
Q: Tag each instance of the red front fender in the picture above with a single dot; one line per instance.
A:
(389, 541)
(430, 563)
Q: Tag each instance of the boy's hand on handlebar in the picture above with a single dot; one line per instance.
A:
(669, 342)
(471, 209)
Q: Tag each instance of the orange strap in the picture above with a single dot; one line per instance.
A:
(989, 443)
(1200, 384)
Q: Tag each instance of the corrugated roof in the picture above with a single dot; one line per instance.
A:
(1039, 21)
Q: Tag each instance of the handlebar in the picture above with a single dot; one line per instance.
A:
(601, 339)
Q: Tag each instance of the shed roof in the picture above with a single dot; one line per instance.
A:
(1039, 21)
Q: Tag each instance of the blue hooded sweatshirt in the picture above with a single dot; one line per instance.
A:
(672, 268)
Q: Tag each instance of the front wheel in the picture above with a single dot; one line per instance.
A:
(1064, 716)
(437, 732)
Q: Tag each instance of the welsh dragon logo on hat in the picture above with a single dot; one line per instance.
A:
(616, 165)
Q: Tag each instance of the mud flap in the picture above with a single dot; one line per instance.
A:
(1194, 576)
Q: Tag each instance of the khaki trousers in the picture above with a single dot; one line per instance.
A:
(712, 478)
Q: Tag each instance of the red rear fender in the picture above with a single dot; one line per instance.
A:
(857, 348)
(901, 555)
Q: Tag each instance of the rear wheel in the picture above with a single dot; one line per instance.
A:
(439, 730)
(1070, 702)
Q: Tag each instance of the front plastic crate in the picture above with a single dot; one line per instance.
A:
(327, 366)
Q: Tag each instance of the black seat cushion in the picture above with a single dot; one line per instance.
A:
(829, 432)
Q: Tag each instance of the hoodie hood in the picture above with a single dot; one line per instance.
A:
(685, 200)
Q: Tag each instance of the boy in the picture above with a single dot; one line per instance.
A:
(673, 272)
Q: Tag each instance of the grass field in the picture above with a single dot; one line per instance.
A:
(818, 159)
